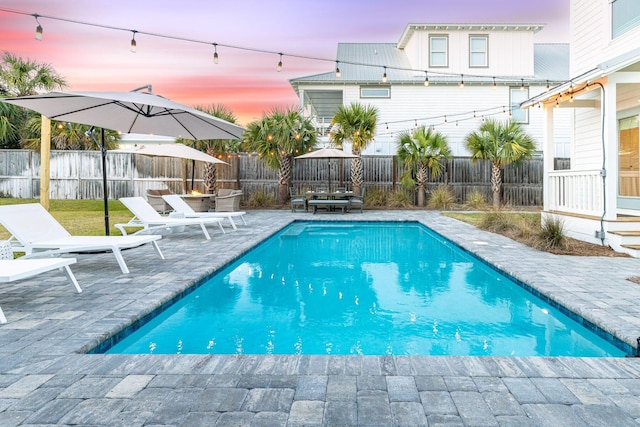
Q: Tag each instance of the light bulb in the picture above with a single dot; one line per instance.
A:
(426, 78)
(215, 53)
(38, 28)
(338, 73)
(521, 84)
(280, 64)
(384, 76)
(494, 83)
(461, 81)
(134, 45)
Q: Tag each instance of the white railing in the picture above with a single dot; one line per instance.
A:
(577, 192)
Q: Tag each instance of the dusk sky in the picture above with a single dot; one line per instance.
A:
(98, 59)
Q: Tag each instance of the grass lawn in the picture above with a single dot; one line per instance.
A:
(79, 217)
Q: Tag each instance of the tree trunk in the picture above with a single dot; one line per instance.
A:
(284, 179)
(210, 175)
(357, 175)
(496, 185)
(421, 179)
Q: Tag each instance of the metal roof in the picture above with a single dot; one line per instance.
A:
(551, 62)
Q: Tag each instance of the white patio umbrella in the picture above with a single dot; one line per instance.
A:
(128, 112)
(327, 153)
(179, 151)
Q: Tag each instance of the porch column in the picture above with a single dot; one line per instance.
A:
(610, 149)
(548, 155)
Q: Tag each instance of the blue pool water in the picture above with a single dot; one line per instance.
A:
(362, 288)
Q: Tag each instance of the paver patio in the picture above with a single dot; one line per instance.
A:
(45, 377)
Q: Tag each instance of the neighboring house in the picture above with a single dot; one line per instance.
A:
(599, 197)
(500, 66)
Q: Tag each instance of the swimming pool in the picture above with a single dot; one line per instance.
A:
(362, 288)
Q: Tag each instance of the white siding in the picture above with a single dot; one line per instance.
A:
(587, 153)
(428, 105)
(591, 42)
(510, 52)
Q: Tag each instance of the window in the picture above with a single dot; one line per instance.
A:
(625, 16)
(629, 157)
(375, 92)
(438, 56)
(478, 48)
(518, 96)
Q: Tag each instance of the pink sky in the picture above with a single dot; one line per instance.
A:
(95, 59)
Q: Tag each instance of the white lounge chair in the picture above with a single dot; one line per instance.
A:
(180, 206)
(16, 269)
(36, 230)
(149, 219)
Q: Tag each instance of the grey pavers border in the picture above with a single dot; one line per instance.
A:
(46, 379)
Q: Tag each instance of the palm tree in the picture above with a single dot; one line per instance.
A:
(501, 143)
(214, 147)
(422, 151)
(355, 123)
(68, 136)
(277, 137)
(20, 77)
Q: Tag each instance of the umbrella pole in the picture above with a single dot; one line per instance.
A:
(105, 190)
(193, 169)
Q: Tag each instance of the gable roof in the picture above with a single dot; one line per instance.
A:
(410, 29)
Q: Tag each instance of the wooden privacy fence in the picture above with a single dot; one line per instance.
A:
(78, 175)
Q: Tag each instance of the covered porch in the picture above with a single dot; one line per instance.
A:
(598, 198)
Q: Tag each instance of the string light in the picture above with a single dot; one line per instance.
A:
(445, 120)
(384, 76)
(215, 53)
(461, 80)
(338, 73)
(521, 84)
(547, 86)
(426, 78)
(134, 45)
(494, 84)
(179, 38)
(279, 68)
(38, 28)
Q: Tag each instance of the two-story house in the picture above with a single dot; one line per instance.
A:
(599, 197)
(449, 76)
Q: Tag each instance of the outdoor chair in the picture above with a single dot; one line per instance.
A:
(21, 268)
(228, 200)
(356, 202)
(33, 229)
(181, 207)
(145, 216)
(154, 197)
(298, 201)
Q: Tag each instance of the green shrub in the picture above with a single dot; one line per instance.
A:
(441, 198)
(375, 198)
(497, 222)
(260, 199)
(552, 234)
(399, 200)
(476, 201)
